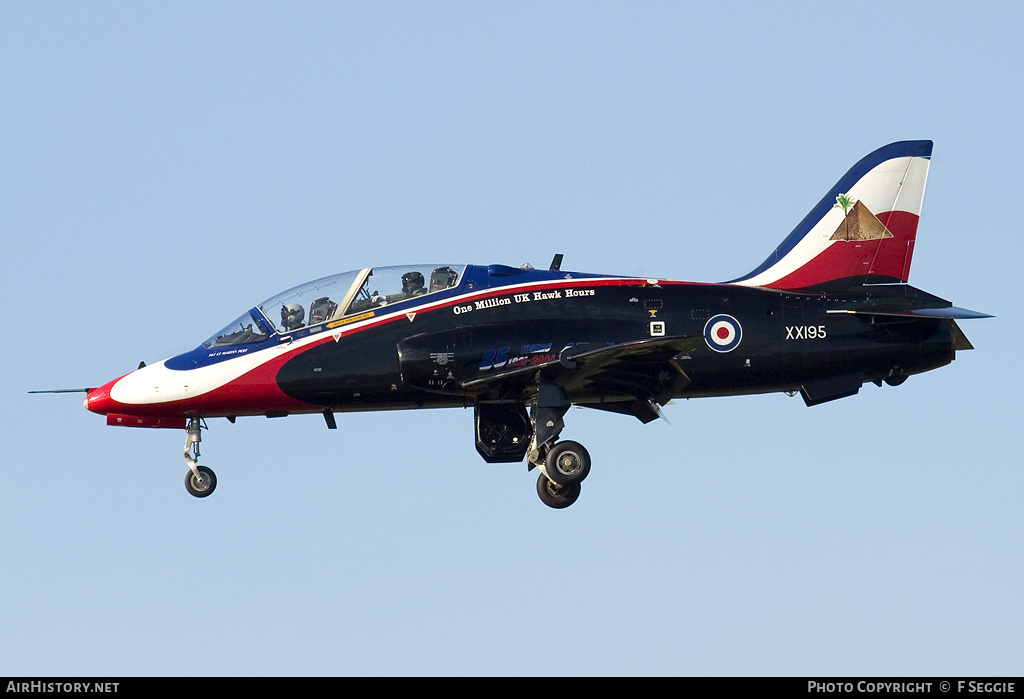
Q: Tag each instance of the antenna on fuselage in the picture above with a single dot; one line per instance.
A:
(556, 263)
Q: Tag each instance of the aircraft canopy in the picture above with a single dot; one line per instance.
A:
(330, 298)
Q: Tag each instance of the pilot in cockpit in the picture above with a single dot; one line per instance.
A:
(292, 316)
(412, 285)
(442, 278)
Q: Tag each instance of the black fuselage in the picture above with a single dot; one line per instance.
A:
(427, 357)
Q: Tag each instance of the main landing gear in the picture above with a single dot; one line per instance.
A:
(200, 481)
(563, 465)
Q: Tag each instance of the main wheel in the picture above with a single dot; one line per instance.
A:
(202, 486)
(557, 496)
(567, 462)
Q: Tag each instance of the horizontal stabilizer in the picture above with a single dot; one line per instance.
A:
(950, 312)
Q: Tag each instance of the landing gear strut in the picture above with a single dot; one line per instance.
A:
(200, 481)
(563, 465)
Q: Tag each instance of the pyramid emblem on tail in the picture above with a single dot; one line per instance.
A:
(859, 223)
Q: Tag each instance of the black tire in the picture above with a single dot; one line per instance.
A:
(557, 496)
(567, 462)
(206, 487)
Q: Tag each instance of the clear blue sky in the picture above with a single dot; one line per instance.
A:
(165, 166)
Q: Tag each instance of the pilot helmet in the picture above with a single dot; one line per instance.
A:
(412, 282)
(291, 316)
(442, 278)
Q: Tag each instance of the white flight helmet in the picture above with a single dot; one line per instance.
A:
(291, 316)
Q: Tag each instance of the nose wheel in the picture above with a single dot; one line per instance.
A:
(200, 481)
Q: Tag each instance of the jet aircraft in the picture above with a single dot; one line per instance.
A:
(828, 311)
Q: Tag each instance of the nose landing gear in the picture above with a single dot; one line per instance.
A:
(200, 481)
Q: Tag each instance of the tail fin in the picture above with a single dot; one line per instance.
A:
(862, 232)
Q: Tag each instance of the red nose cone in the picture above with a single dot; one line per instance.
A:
(99, 400)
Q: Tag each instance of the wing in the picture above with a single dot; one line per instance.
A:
(633, 378)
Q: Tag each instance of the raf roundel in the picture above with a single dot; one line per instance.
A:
(723, 333)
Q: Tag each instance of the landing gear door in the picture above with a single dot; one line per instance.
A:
(503, 432)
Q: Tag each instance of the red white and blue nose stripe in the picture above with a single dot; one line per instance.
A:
(723, 333)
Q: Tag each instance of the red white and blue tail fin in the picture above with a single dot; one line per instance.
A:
(862, 232)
